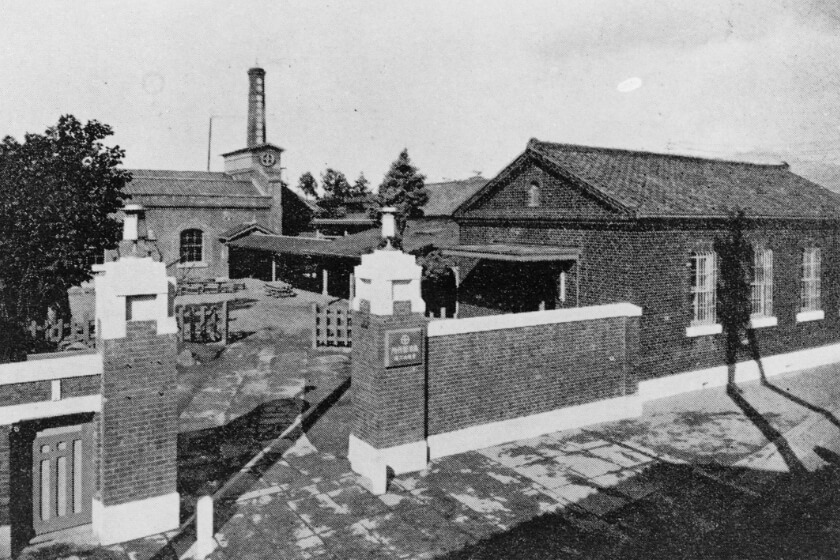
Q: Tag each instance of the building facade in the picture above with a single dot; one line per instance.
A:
(187, 212)
(569, 226)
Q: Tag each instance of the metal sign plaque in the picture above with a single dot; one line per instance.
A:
(403, 347)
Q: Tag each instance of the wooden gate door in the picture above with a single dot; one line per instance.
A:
(61, 478)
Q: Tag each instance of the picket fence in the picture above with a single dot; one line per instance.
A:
(201, 322)
(332, 326)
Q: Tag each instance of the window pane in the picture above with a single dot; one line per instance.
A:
(703, 287)
(191, 245)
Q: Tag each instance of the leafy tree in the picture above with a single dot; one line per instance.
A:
(59, 192)
(308, 185)
(404, 188)
(361, 187)
(335, 184)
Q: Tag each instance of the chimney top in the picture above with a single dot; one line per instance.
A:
(256, 107)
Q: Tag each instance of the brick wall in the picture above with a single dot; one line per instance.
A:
(480, 377)
(558, 198)
(22, 393)
(138, 427)
(5, 474)
(647, 264)
(80, 386)
(168, 223)
(389, 404)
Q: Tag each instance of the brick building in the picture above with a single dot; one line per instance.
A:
(189, 212)
(568, 226)
(333, 260)
(593, 280)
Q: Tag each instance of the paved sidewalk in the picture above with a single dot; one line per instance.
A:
(724, 449)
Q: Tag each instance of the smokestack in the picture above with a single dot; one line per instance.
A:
(256, 107)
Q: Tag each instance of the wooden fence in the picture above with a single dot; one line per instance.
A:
(332, 326)
(203, 322)
(65, 333)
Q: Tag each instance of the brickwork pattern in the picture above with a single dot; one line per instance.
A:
(558, 198)
(5, 474)
(389, 404)
(22, 393)
(138, 427)
(476, 378)
(81, 386)
(647, 264)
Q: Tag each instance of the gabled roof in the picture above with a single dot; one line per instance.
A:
(646, 184)
(247, 228)
(193, 188)
(445, 198)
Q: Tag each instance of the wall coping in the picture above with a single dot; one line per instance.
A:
(58, 367)
(445, 327)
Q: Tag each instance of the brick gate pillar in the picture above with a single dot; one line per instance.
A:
(388, 366)
(136, 434)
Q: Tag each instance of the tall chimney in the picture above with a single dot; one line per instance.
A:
(256, 107)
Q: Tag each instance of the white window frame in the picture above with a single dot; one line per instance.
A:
(704, 294)
(810, 296)
(761, 295)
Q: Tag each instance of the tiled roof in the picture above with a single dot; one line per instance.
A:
(151, 182)
(646, 184)
(419, 235)
(445, 198)
(287, 244)
(242, 229)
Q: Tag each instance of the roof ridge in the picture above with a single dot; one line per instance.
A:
(535, 143)
(168, 174)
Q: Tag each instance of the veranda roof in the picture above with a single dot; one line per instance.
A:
(516, 253)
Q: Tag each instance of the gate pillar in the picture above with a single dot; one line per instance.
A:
(136, 433)
(388, 365)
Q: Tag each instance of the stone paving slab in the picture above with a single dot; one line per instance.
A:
(611, 483)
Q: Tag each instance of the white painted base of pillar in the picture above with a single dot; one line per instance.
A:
(373, 463)
(134, 520)
(495, 433)
(708, 378)
(5, 541)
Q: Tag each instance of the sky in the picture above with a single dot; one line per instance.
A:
(462, 85)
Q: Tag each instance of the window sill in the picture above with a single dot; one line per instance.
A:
(703, 330)
(805, 316)
(763, 322)
(193, 265)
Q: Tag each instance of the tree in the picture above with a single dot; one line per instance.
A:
(403, 188)
(59, 192)
(335, 184)
(361, 187)
(734, 305)
(308, 185)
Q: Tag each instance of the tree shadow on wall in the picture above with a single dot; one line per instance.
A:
(736, 269)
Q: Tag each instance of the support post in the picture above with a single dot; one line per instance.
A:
(204, 542)
(324, 282)
(388, 367)
(136, 494)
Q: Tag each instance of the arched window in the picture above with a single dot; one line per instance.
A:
(534, 195)
(192, 245)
